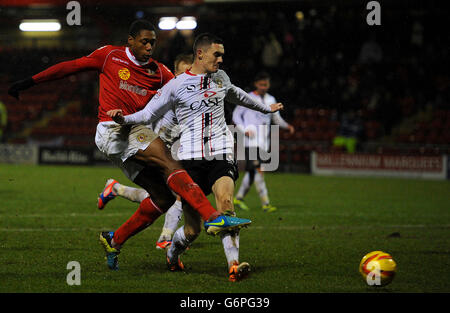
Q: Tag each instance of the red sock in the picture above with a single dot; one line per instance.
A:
(182, 184)
(144, 216)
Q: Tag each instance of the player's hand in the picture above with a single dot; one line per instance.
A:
(116, 115)
(291, 129)
(250, 134)
(20, 85)
(276, 107)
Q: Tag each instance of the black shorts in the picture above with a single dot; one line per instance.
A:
(206, 172)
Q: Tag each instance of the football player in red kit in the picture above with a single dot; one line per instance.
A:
(129, 78)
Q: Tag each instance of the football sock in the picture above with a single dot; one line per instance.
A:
(173, 216)
(144, 216)
(230, 243)
(182, 184)
(179, 244)
(245, 186)
(260, 185)
(130, 193)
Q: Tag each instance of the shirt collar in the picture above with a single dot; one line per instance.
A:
(133, 58)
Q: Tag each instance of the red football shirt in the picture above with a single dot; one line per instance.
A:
(125, 83)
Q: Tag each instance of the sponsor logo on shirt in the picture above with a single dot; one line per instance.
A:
(119, 60)
(209, 102)
(124, 73)
(132, 88)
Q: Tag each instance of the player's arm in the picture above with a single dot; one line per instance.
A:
(161, 102)
(94, 61)
(238, 96)
(278, 120)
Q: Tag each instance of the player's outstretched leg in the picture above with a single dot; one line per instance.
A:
(144, 216)
(113, 189)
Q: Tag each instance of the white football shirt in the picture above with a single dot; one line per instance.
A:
(198, 102)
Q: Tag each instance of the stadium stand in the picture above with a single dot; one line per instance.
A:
(322, 67)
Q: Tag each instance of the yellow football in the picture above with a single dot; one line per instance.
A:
(378, 268)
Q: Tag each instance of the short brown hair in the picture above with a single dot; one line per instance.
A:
(205, 39)
(185, 57)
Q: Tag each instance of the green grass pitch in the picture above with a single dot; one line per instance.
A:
(313, 243)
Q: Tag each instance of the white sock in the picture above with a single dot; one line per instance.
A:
(230, 243)
(245, 186)
(260, 185)
(173, 216)
(130, 193)
(179, 244)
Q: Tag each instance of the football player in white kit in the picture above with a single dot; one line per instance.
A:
(206, 143)
(168, 130)
(256, 127)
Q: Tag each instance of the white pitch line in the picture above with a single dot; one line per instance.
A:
(316, 227)
(64, 215)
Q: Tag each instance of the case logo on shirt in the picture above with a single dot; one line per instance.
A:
(124, 73)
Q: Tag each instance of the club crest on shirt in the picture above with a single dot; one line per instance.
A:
(219, 83)
(124, 73)
(141, 137)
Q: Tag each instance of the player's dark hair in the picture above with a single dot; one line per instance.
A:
(186, 58)
(261, 76)
(139, 25)
(205, 39)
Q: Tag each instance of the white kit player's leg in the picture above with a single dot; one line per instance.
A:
(130, 193)
(172, 218)
(179, 244)
(230, 243)
(261, 187)
(245, 186)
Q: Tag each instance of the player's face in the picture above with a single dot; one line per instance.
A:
(213, 57)
(143, 44)
(182, 67)
(262, 86)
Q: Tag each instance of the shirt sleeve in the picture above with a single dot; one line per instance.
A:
(94, 61)
(238, 96)
(278, 120)
(161, 102)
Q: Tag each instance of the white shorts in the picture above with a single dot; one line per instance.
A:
(120, 142)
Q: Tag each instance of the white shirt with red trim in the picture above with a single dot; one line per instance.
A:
(198, 101)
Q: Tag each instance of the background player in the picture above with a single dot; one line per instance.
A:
(206, 143)
(168, 130)
(256, 127)
(129, 78)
